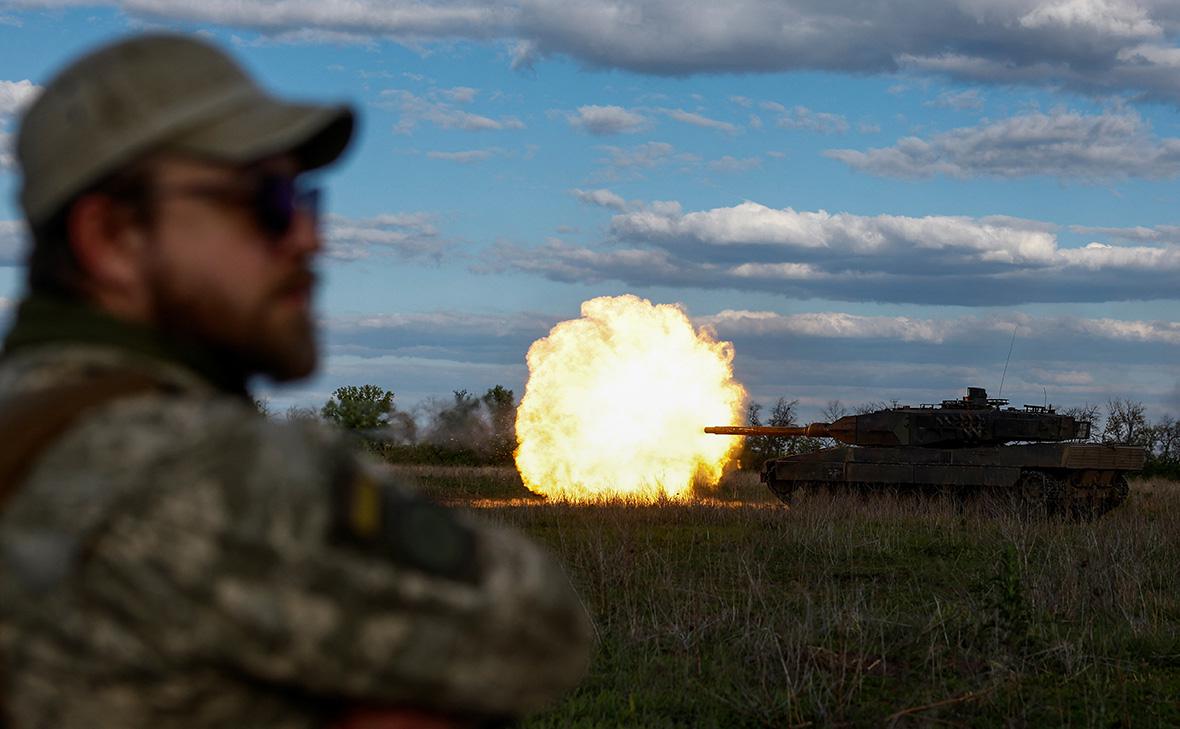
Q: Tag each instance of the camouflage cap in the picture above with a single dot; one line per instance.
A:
(153, 92)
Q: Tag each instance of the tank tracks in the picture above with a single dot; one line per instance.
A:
(1079, 495)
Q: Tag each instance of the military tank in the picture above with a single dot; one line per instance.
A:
(1030, 456)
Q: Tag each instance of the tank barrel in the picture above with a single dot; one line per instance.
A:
(815, 430)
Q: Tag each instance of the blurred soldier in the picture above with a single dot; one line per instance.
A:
(169, 557)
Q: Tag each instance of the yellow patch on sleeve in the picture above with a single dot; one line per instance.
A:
(365, 510)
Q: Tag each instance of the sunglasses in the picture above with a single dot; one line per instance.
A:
(273, 200)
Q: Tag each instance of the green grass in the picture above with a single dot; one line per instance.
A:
(736, 611)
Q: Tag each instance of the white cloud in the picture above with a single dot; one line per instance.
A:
(958, 100)
(418, 20)
(442, 114)
(459, 94)
(839, 325)
(1088, 45)
(602, 198)
(524, 55)
(699, 120)
(604, 120)
(15, 96)
(1062, 144)
(733, 164)
(409, 236)
(466, 156)
(803, 118)
(7, 159)
(934, 259)
(1139, 233)
(995, 240)
(630, 161)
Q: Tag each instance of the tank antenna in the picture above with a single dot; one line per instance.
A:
(1010, 346)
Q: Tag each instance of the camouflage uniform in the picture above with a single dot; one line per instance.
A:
(177, 560)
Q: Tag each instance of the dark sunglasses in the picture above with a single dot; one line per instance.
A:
(273, 200)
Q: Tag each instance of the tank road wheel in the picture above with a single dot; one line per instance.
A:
(1036, 495)
(1092, 498)
(1119, 492)
(782, 489)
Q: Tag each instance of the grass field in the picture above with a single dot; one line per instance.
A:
(737, 611)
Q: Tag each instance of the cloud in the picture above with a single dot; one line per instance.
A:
(956, 260)
(373, 18)
(466, 156)
(302, 36)
(630, 161)
(416, 109)
(1087, 45)
(734, 164)
(1141, 234)
(15, 96)
(824, 355)
(1106, 46)
(958, 100)
(803, 118)
(814, 356)
(602, 198)
(839, 325)
(12, 243)
(408, 236)
(604, 120)
(459, 94)
(1062, 144)
(700, 120)
(7, 158)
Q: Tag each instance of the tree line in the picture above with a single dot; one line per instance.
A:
(463, 430)
(471, 430)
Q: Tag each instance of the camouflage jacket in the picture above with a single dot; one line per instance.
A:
(176, 560)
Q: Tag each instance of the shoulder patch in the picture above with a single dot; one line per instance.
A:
(403, 528)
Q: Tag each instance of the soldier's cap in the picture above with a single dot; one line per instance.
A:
(160, 92)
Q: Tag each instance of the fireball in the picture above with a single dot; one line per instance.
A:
(616, 401)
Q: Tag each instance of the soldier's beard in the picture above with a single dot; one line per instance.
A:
(273, 336)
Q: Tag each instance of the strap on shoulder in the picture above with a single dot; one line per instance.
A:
(32, 421)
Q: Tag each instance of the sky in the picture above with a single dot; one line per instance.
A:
(871, 200)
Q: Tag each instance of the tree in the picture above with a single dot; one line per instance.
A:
(363, 408)
(758, 449)
(833, 411)
(460, 423)
(500, 403)
(1126, 423)
(1087, 413)
(875, 405)
(298, 414)
(1166, 440)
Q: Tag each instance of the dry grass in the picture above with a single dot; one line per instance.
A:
(841, 611)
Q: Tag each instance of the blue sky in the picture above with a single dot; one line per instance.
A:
(867, 199)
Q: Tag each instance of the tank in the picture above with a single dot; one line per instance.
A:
(1031, 456)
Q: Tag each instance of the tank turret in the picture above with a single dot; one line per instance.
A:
(976, 420)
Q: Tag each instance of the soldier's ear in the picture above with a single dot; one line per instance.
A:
(107, 242)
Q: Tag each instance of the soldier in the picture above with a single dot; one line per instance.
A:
(169, 557)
